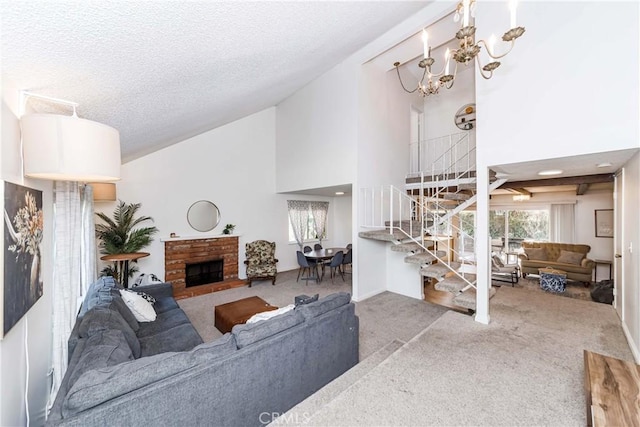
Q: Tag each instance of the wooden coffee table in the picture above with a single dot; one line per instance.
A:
(238, 312)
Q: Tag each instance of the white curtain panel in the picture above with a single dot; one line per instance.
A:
(74, 267)
(89, 263)
(562, 219)
(299, 219)
(320, 211)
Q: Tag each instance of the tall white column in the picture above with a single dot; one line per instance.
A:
(483, 250)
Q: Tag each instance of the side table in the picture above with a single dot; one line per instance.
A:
(602, 262)
(123, 263)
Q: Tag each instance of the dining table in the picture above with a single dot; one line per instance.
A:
(322, 255)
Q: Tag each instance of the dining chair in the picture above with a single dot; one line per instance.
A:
(346, 261)
(307, 249)
(304, 264)
(336, 264)
(349, 246)
(317, 247)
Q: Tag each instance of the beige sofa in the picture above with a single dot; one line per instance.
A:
(561, 256)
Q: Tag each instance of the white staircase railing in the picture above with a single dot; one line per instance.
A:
(406, 217)
(437, 155)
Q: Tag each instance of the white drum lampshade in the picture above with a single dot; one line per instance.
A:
(67, 148)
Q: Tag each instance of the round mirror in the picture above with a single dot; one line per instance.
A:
(465, 117)
(203, 215)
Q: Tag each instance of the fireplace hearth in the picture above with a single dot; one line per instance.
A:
(179, 252)
(203, 273)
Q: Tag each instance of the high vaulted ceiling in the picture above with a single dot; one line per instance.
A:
(163, 71)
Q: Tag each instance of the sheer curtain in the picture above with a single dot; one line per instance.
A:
(299, 219)
(74, 267)
(320, 211)
(562, 219)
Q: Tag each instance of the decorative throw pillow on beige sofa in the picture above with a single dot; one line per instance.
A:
(538, 254)
(568, 257)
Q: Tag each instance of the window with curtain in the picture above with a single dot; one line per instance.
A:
(307, 221)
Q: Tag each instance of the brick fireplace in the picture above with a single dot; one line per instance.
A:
(182, 252)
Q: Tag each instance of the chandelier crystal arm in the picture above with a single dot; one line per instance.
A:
(468, 50)
(397, 65)
(491, 54)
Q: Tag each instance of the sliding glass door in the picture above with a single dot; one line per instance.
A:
(509, 228)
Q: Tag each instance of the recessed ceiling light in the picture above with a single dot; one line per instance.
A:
(550, 172)
(339, 193)
(604, 165)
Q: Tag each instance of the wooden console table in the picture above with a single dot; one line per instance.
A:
(612, 387)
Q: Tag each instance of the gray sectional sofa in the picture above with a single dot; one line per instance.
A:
(160, 373)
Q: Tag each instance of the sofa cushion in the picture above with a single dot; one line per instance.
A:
(569, 257)
(99, 386)
(140, 307)
(164, 321)
(324, 305)
(99, 293)
(538, 254)
(248, 334)
(103, 348)
(102, 318)
(165, 304)
(179, 338)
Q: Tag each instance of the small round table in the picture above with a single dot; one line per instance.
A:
(123, 263)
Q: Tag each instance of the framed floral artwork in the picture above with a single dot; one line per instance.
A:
(23, 231)
(604, 222)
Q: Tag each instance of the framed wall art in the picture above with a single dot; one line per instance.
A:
(23, 231)
(604, 222)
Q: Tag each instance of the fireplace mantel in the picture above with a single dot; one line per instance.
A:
(198, 237)
(183, 250)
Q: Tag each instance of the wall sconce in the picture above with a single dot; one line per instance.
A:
(103, 191)
(68, 148)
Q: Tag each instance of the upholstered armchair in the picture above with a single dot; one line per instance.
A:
(261, 261)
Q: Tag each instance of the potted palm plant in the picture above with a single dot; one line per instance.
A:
(119, 235)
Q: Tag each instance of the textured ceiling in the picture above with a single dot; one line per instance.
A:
(163, 71)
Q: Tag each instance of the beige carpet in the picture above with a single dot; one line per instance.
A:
(573, 289)
(383, 318)
(525, 368)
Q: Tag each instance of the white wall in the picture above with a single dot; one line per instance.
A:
(631, 254)
(440, 109)
(34, 328)
(549, 94)
(549, 101)
(341, 231)
(234, 167)
(316, 133)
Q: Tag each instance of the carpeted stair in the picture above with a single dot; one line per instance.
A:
(407, 247)
(383, 235)
(438, 270)
(452, 283)
(467, 299)
(326, 394)
(424, 258)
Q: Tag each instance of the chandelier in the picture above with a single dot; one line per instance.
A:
(469, 49)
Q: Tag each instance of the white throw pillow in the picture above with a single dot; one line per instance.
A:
(269, 314)
(140, 307)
